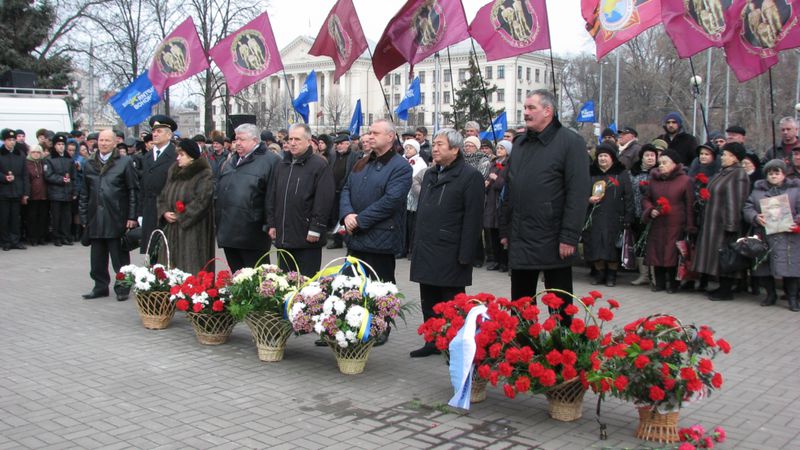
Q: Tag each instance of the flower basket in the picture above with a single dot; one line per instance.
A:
(565, 401)
(155, 309)
(351, 359)
(212, 329)
(657, 427)
(270, 332)
(478, 391)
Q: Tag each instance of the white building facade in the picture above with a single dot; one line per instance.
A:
(269, 98)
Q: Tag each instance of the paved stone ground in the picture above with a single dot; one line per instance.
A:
(85, 374)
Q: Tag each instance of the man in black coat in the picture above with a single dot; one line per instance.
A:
(300, 201)
(448, 225)
(341, 163)
(678, 139)
(14, 190)
(241, 200)
(155, 165)
(548, 188)
(107, 207)
(59, 173)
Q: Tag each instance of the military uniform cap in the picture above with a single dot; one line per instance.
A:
(60, 138)
(92, 136)
(342, 138)
(8, 133)
(162, 121)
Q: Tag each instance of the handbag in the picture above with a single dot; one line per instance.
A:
(628, 252)
(131, 239)
(731, 261)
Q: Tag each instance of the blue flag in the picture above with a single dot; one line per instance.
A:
(499, 127)
(586, 113)
(308, 94)
(410, 100)
(357, 121)
(134, 104)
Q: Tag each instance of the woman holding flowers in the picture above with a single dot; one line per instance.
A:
(722, 220)
(667, 209)
(611, 209)
(640, 179)
(184, 210)
(784, 255)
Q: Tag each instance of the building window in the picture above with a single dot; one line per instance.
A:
(488, 72)
(519, 72)
(501, 72)
(213, 110)
(519, 116)
(446, 98)
(422, 77)
(447, 77)
(370, 118)
(545, 77)
(396, 99)
(422, 98)
(386, 80)
(462, 74)
(528, 74)
(519, 95)
(537, 75)
(501, 95)
(397, 79)
(435, 97)
(421, 118)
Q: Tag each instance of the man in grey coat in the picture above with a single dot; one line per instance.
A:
(548, 188)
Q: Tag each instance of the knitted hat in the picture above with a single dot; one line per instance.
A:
(736, 149)
(673, 155)
(775, 164)
(413, 143)
(473, 140)
(674, 116)
(605, 147)
(190, 147)
(506, 145)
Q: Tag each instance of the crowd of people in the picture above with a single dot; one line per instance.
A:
(528, 204)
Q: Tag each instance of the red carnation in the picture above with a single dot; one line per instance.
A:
(549, 324)
(568, 357)
(724, 346)
(705, 194)
(795, 229)
(663, 205)
(484, 371)
(644, 183)
(656, 394)
(535, 369)
(701, 178)
(613, 303)
(160, 274)
(588, 301)
(534, 330)
(669, 383)
(522, 384)
(577, 326)
(595, 294)
(705, 366)
(621, 382)
(605, 314)
(180, 207)
(641, 361)
(592, 332)
(218, 306)
(554, 358)
(120, 276)
(505, 369)
(525, 354)
(569, 372)
(613, 181)
(716, 380)
(571, 310)
(548, 378)
(509, 391)
(687, 373)
(646, 345)
(499, 166)
(182, 304)
(552, 300)
(695, 385)
(197, 307)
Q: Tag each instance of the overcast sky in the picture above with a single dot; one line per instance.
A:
(291, 18)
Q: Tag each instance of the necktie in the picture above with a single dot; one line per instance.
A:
(158, 153)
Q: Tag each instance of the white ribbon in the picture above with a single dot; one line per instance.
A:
(462, 352)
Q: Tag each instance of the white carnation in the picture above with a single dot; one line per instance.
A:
(311, 290)
(350, 336)
(341, 340)
(244, 274)
(327, 306)
(297, 308)
(339, 305)
(378, 289)
(343, 282)
(354, 316)
(318, 327)
(128, 269)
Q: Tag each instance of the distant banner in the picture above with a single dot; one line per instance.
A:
(615, 22)
(356, 122)
(341, 38)
(696, 26)
(179, 56)
(586, 114)
(134, 104)
(499, 127)
(410, 100)
(308, 94)
(504, 29)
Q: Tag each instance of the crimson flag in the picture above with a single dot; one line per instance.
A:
(615, 22)
(420, 29)
(696, 26)
(341, 38)
(506, 28)
(248, 55)
(179, 56)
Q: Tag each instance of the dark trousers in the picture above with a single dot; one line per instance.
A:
(429, 296)
(523, 283)
(499, 254)
(411, 224)
(308, 260)
(61, 216)
(100, 251)
(36, 220)
(10, 221)
(242, 257)
(479, 254)
(382, 263)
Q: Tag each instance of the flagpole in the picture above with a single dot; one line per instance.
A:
(696, 93)
(485, 94)
(452, 92)
(380, 84)
(291, 94)
(772, 108)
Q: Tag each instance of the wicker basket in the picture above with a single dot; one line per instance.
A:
(212, 329)
(155, 309)
(478, 391)
(657, 427)
(565, 401)
(352, 359)
(270, 332)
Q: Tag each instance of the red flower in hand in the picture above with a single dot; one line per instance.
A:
(180, 207)
(795, 229)
(613, 181)
(701, 178)
(644, 183)
(705, 194)
(120, 276)
(663, 205)
(499, 166)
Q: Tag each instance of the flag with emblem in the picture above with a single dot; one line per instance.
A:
(340, 38)
(615, 22)
(247, 55)
(505, 29)
(758, 35)
(179, 56)
(499, 127)
(420, 29)
(410, 100)
(696, 26)
(134, 104)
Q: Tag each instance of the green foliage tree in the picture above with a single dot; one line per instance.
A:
(24, 27)
(470, 102)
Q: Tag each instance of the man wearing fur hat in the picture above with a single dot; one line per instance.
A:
(155, 165)
(678, 139)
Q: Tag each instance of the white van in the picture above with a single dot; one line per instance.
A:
(32, 109)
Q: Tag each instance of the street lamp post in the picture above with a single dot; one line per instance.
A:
(695, 81)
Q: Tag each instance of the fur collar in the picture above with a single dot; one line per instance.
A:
(187, 173)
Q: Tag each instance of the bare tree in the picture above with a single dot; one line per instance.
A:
(166, 16)
(337, 109)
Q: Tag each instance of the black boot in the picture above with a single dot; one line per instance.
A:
(791, 285)
(599, 277)
(611, 278)
(660, 276)
(426, 350)
(725, 291)
(670, 283)
(769, 285)
(755, 284)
